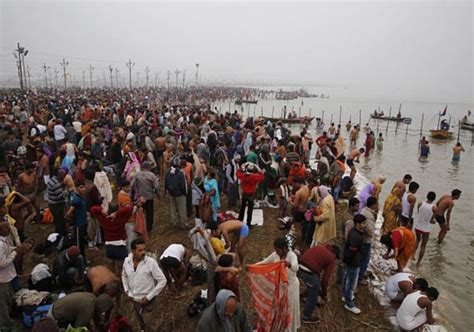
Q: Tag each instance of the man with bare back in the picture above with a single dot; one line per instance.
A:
(299, 202)
(240, 232)
(445, 204)
(354, 157)
(401, 185)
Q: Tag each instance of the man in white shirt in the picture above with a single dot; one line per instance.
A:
(142, 281)
(59, 132)
(174, 262)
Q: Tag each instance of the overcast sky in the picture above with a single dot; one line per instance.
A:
(422, 49)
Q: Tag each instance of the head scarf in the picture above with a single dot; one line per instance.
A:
(324, 191)
(221, 300)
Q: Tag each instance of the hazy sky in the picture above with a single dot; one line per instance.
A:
(422, 49)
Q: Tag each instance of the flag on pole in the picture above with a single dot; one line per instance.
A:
(445, 110)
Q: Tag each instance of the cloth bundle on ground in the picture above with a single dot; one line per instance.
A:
(269, 285)
(55, 242)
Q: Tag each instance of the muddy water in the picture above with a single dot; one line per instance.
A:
(449, 266)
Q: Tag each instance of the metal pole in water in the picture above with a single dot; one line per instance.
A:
(273, 109)
(459, 129)
(322, 117)
(389, 115)
(360, 117)
(340, 113)
(421, 127)
(406, 132)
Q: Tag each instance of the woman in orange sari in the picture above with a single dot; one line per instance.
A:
(402, 240)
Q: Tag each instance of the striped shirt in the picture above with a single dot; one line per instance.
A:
(56, 191)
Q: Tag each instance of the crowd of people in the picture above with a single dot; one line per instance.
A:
(93, 163)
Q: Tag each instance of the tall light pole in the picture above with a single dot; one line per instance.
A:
(111, 80)
(64, 64)
(45, 68)
(130, 64)
(197, 74)
(83, 79)
(147, 71)
(176, 72)
(184, 78)
(56, 72)
(116, 78)
(90, 74)
(20, 54)
(168, 79)
(29, 76)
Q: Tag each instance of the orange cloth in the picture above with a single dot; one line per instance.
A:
(269, 286)
(140, 224)
(406, 248)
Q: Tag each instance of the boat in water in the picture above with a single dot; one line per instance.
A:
(387, 118)
(465, 124)
(290, 120)
(245, 101)
(441, 134)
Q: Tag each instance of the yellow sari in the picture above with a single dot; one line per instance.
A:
(391, 211)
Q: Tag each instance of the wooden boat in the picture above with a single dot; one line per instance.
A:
(290, 121)
(441, 134)
(387, 118)
(244, 101)
(465, 124)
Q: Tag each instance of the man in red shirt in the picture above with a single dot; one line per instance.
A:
(115, 235)
(316, 267)
(250, 175)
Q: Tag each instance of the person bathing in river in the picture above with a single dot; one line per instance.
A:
(426, 213)
(445, 204)
(408, 205)
(457, 149)
(353, 157)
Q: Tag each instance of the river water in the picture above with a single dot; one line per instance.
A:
(449, 266)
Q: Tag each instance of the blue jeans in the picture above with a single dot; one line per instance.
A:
(365, 258)
(351, 275)
(313, 285)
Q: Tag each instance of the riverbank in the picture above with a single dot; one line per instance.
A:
(172, 313)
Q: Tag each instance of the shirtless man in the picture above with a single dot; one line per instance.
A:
(445, 204)
(43, 165)
(354, 157)
(240, 232)
(457, 149)
(402, 184)
(354, 135)
(299, 202)
(27, 184)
